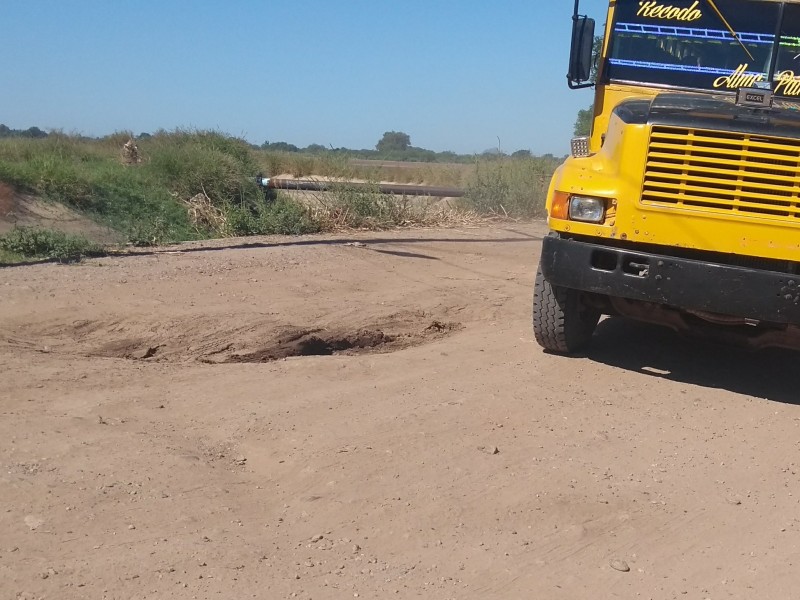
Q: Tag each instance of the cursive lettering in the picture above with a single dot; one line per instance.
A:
(739, 78)
(651, 9)
(788, 84)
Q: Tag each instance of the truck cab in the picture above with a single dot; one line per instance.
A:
(682, 207)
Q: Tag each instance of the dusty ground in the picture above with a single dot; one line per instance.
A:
(160, 439)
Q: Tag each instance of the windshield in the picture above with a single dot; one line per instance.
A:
(719, 45)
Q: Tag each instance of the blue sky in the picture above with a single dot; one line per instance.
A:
(453, 75)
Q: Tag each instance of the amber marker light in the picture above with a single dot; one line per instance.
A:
(559, 209)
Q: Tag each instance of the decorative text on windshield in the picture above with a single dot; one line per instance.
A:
(651, 9)
(786, 82)
(739, 78)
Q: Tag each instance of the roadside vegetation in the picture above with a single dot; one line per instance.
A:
(24, 243)
(183, 185)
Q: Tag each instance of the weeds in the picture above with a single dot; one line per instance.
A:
(510, 188)
(152, 201)
(29, 242)
(281, 216)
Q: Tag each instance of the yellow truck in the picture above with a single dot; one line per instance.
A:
(682, 207)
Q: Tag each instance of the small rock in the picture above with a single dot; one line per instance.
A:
(33, 522)
(317, 538)
(489, 449)
(131, 526)
(619, 565)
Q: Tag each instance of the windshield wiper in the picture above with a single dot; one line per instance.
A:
(730, 29)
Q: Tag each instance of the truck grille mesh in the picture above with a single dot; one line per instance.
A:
(741, 174)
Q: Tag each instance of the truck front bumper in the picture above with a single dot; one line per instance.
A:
(687, 284)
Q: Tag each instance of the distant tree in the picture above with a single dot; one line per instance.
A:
(315, 149)
(5, 131)
(144, 136)
(492, 153)
(521, 154)
(33, 132)
(280, 147)
(583, 122)
(393, 141)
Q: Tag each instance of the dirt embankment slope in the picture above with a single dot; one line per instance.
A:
(368, 416)
(18, 209)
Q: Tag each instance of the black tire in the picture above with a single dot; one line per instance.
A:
(561, 320)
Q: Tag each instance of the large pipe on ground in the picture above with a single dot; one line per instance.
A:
(308, 185)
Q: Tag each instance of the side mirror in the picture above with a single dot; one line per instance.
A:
(580, 54)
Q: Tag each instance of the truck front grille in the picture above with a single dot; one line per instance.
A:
(738, 174)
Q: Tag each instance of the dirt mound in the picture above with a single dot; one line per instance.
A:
(25, 210)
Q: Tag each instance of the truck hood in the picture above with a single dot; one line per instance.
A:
(711, 112)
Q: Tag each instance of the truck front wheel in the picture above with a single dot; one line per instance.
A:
(562, 322)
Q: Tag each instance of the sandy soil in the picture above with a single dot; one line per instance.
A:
(166, 432)
(18, 209)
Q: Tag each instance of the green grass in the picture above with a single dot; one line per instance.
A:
(512, 188)
(144, 201)
(281, 216)
(11, 258)
(148, 202)
(24, 243)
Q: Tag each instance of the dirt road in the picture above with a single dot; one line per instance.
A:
(169, 428)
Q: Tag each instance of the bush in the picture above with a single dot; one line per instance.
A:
(510, 187)
(282, 216)
(30, 242)
(203, 163)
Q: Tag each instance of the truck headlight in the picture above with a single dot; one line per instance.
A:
(588, 210)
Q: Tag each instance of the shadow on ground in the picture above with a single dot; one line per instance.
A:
(347, 241)
(772, 374)
(361, 243)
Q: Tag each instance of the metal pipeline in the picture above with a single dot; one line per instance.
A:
(308, 185)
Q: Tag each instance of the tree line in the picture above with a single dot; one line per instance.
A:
(393, 145)
(31, 132)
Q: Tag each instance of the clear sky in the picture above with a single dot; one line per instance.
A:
(454, 75)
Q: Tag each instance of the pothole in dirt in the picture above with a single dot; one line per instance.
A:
(238, 340)
(318, 342)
